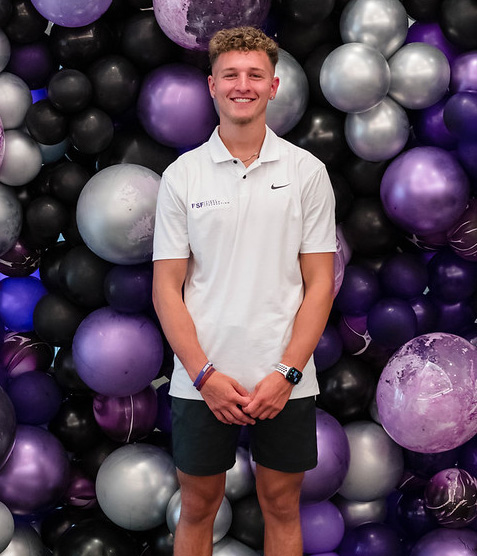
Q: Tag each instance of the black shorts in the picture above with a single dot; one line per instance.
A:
(203, 445)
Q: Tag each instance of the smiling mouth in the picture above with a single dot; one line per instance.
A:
(242, 100)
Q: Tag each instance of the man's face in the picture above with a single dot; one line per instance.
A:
(242, 84)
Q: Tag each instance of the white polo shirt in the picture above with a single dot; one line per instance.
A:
(243, 229)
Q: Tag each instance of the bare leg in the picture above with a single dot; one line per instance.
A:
(279, 497)
(200, 500)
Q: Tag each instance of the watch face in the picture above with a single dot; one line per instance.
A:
(294, 375)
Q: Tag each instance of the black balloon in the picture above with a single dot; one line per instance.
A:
(81, 276)
(136, 147)
(115, 83)
(56, 319)
(71, 231)
(247, 522)
(159, 541)
(144, 43)
(25, 24)
(65, 373)
(45, 123)
(67, 180)
(306, 11)
(90, 461)
(70, 90)
(6, 10)
(50, 263)
(45, 218)
(458, 21)
(59, 520)
(422, 10)
(78, 47)
(364, 176)
(343, 194)
(312, 67)
(91, 131)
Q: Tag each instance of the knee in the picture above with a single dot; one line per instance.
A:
(198, 506)
(279, 506)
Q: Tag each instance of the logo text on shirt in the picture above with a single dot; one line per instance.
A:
(211, 203)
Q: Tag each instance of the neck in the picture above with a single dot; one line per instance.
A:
(243, 143)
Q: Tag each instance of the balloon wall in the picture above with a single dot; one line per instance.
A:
(96, 99)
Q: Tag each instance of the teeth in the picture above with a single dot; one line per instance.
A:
(242, 100)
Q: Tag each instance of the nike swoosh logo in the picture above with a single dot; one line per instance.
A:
(279, 186)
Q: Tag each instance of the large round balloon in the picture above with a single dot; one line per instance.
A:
(355, 77)
(403, 275)
(11, 218)
(116, 212)
(446, 542)
(36, 475)
(392, 322)
(451, 278)
(458, 19)
(5, 50)
(70, 90)
(430, 32)
(430, 376)
(192, 23)
(382, 24)
(239, 479)
(460, 115)
(148, 480)
(322, 526)
(25, 541)
(462, 236)
(22, 159)
(357, 513)
(175, 106)
(117, 354)
(76, 13)
(7, 527)
(248, 525)
(425, 190)
(15, 99)
(18, 299)
(9, 424)
(372, 539)
(464, 73)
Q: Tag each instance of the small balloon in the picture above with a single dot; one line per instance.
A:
(22, 159)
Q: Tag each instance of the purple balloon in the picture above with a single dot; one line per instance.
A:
(467, 456)
(36, 397)
(430, 376)
(403, 275)
(431, 33)
(325, 479)
(164, 414)
(371, 539)
(392, 322)
(74, 13)
(454, 318)
(18, 299)
(117, 354)
(451, 278)
(36, 475)
(426, 465)
(128, 288)
(413, 517)
(446, 542)
(7, 428)
(322, 526)
(127, 418)
(329, 348)
(425, 190)
(81, 490)
(175, 107)
(460, 115)
(359, 290)
(21, 260)
(430, 129)
(464, 72)
(467, 155)
(426, 314)
(25, 351)
(32, 62)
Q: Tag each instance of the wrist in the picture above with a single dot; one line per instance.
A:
(204, 374)
(291, 374)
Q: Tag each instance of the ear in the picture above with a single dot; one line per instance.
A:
(274, 87)
(211, 83)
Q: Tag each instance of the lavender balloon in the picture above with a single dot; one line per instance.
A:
(74, 13)
(191, 23)
(425, 190)
(322, 526)
(426, 394)
(446, 542)
(464, 72)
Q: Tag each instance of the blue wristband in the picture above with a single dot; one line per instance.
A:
(200, 376)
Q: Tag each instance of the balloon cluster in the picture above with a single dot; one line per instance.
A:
(96, 99)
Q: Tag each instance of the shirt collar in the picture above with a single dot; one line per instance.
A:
(268, 152)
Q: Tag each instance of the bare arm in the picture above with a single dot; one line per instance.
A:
(272, 393)
(221, 393)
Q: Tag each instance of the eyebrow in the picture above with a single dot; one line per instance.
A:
(249, 69)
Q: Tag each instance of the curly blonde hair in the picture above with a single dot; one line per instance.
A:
(243, 39)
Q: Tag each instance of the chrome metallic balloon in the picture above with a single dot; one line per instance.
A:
(222, 523)
(25, 542)
(5, 50)
(420, 75)
(11, 221)
(116, 212)
(378, 134)
(15, 99)
(291, 100)
(22, 158)
(7, 526)
(376, 463)
(356, 513)
(239, 480)
(379, 23)
(134, 485)
(229, 546)
(355, 77)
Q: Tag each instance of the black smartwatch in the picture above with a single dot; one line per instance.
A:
(290, 373)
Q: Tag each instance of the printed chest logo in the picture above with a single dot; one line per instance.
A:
(273, 186)
(209, 203)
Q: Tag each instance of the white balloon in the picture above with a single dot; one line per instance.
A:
(7, 526)
(15, 99)
(22, 158)
(229, 546)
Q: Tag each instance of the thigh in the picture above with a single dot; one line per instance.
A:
(288, 442)
(201, 444)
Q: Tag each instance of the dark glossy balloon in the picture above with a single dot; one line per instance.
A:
(446, 542)
(392, 322)
(346, 389)
(45, 218)
(80, 491)
(45, 123)
(144, 43)
(343, 195)
(56, 319)
(321, 131)
(65, 373)
(426, 465)
(59, 520)
(32, 62)
(160, 541)
(74, 424)
(430, 128)
(25, 351)
(312, 66)
(66, 181)
(25, 24)
(78, 47)
(128, 288)
(467, 155)
(458, 20)
(329, 348)
(9, 425)
(81, 276)
(454, 318)
(422, 10)
(460, 115)
(247, 522)
(70, 90)
(413, 516)
(426, 314)
(91, 131)
(359, 290)
(371, 539)
(115, 83)
(164, 414)
(451, 278)
(21, 260)
(364, 176)
(403, 275)
(50, 262)
(6, 9)
(467, 456)
(306, 11)
(91, 460)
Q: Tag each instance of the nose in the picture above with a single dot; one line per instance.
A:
(242, 83)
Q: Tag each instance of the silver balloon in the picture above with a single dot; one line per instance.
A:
(11, 221)
(229, 546)
(22, 158)
(116, 212)
(356, 513)
(15, 99)
(25, 542)
(5, 50)
(7, 526)
(378, 134)
(222, 523)
(376, 462)
(354, 77)
(420, 75)
(379, 23)
(291, 100)
(239, 480)
(134, 485)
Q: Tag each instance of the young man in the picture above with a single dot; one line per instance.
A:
(243, 286)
